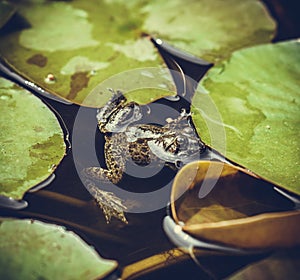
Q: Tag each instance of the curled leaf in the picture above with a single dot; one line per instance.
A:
(241, 210)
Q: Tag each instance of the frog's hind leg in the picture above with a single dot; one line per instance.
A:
(102, 175)
(116, 153)
(115, 161)
(111, 205)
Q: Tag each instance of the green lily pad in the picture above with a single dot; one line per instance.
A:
(35, 250)
(210, 29)
(6, 12)
(82, 43)
(32, 141)
(256, 92)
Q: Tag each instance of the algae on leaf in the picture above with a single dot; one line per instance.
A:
(35, 250)
(256, 92)
(32, 141)
(82, 43)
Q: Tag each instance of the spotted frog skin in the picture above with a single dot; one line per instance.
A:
(174, 144)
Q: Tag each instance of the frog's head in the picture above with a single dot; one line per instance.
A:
(179, 145)
(116, 115)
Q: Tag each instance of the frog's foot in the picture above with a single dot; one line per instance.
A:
(111, 205)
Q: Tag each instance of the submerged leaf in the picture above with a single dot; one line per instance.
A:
(280, 265)
(32, 143)
(35, 250)
(82, 43)
(241, 210)
(256, 93)
(6, 12)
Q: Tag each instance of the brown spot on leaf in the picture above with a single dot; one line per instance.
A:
(41, 146)
(38, 129)
(79, 81)
(38, 60)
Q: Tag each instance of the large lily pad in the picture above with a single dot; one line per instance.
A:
(32, 141)
(256, 92)
(35, 250)
(82, 43)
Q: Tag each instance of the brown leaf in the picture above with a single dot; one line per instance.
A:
(226, 204)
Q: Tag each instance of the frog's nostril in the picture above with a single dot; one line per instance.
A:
(188, 130)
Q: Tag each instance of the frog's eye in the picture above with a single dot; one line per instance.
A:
(180, 140)
(178, 164)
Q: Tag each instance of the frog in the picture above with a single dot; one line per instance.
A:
(127, 138)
